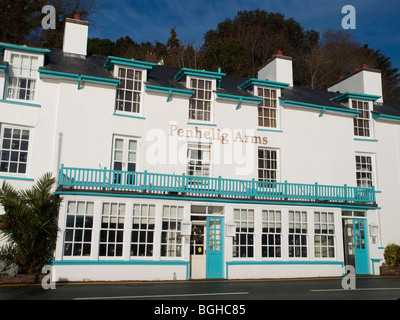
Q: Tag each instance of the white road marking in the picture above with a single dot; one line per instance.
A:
(167, 296)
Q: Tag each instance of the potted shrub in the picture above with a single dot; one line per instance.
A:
(392, 260)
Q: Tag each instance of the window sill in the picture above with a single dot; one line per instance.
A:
(366, 139)
(201, 124)
(128, 116)
(16, 178)
(269, 130)
(22, 103)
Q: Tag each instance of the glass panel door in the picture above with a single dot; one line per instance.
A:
(124, 159)
(215, 248)
(361, 246)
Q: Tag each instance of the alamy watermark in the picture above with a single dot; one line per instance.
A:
(49, 21)
(47, 281)
(349, 280)
(349, 21)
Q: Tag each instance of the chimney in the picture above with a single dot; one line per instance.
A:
(279, 68)
(363, 81)
(76, 37)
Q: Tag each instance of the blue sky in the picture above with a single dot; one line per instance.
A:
(378, 21)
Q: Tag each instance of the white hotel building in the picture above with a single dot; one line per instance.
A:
(190, 174)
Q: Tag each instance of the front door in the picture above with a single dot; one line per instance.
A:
(198, 256)
(215, 248)
(361, 246)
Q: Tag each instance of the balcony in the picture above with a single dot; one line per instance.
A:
(111, 181)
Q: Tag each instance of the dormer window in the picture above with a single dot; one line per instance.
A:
(131, 75)
(203, 84)
(200, 103)
(130, 90)
(268, 109)
(362, 122)
(23, 75)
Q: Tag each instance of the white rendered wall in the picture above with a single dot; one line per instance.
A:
(115, 272)
(283, 271)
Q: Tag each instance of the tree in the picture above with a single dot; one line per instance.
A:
(231, 55)
(338, 54)
(20, 20)
(31, 216)
(262, 33)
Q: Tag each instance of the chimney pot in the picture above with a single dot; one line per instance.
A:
(77, 16)
(279, 53)
(365, 66)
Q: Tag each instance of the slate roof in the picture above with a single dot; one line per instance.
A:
(388, 108)
(164, 76)
(91, 66)
(312, 96)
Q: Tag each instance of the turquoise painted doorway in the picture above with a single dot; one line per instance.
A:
(361, 246)
(215, 248)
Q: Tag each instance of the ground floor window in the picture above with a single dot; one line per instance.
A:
(243, 243)
(271, 245)
(171, 238)
(297, 234)
(79, 228)
(112, 230)
(144, 221)
(134, 230)
(324, 235)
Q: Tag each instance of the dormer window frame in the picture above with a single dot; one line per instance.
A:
(22, 78)
(361, 122)
(202, 94)
(366, 99)
(252, 86)
(265, 108)
(186, 76)
(126, 91)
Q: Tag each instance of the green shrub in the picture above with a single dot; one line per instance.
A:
(10, 259)
(32, 221)
(392, 255)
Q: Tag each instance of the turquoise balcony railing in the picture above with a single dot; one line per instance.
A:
(105, 180)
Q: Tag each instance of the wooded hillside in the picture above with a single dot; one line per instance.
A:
(238, 46)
